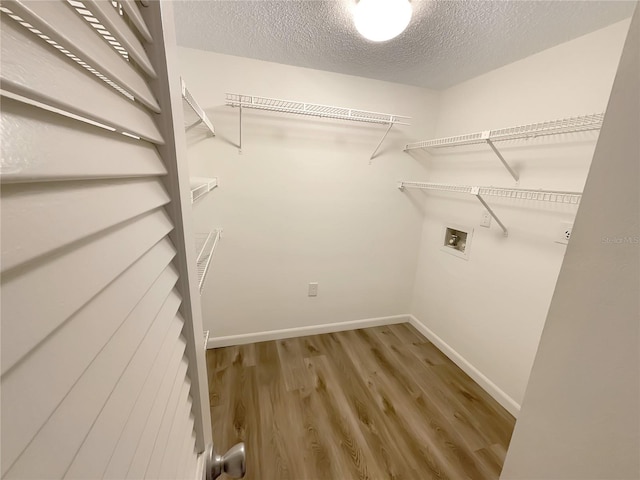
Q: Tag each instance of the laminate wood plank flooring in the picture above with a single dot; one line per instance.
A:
(376, 403)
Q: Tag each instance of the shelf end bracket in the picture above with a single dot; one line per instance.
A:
(476, 191)
(380, 143)
(512, 172)
(240, 129)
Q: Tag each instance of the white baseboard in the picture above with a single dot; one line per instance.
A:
(215, 342)
(491, 388)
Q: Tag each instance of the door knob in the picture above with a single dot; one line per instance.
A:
(233, 463)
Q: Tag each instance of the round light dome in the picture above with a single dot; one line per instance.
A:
(382, 20)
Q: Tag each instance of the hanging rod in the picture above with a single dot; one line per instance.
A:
(554, 127)
(481, 192)
(314, 110)
(205, 246)
(198, 116)
(201, 186)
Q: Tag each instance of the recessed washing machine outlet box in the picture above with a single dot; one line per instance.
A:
(457, 240)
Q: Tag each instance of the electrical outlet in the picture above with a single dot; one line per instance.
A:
(313, 289)
(564, 233)
(486, 219)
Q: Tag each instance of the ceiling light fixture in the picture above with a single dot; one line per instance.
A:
(382, 20)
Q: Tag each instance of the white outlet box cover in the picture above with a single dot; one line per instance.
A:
(485, 221)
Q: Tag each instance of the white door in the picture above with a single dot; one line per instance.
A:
(103, 369)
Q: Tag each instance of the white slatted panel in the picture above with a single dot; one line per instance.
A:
(55, 209)
(117, 26)
(164, 406)
(95, 375)
(92, 458)
(58, 20)
(82, 151)
(156, 387)
(36, 70)
(133, 12)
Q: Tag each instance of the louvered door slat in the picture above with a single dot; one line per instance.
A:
(49, 454)
(36, 70)
(116, 25)
(170, 417)
(54, 367)
(156, 388)
(27, 323)
(66, 212)
(133, 12)
(180, 432)
(161, 406)
(193, 469)
(82, 151)
(58, 20)
(189, 456)
(95, 452)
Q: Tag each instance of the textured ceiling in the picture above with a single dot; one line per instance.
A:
(446, 42)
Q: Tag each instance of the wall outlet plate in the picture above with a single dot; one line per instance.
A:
(313, 289)
(564, 233)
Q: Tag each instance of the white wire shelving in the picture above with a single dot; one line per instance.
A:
(200, 186)
(193, 113)
(314, 110)
(514, 193)
(581, 123)
(205, 246)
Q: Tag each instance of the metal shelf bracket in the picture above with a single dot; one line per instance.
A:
(512, 172)
(379, 144)
(476, 191)
(240, 130)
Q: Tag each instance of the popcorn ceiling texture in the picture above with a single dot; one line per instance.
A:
(446, 42)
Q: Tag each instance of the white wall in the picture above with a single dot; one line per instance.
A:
(488, 312)
(581, 413)
(302, 203)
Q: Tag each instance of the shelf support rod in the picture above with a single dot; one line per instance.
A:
(240, 130)
(476, 191)
(513, 173)
(195, 124)
(380, 143)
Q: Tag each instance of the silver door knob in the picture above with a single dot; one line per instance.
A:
(233, 463)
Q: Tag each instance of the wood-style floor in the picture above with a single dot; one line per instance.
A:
(376, 403)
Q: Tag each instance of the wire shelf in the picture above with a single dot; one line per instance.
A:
(313, 110)
(202, 186)
(436, 186)
(536, 195)
(554, 127)
(205, 246)
(517, 193)
(193, 113)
